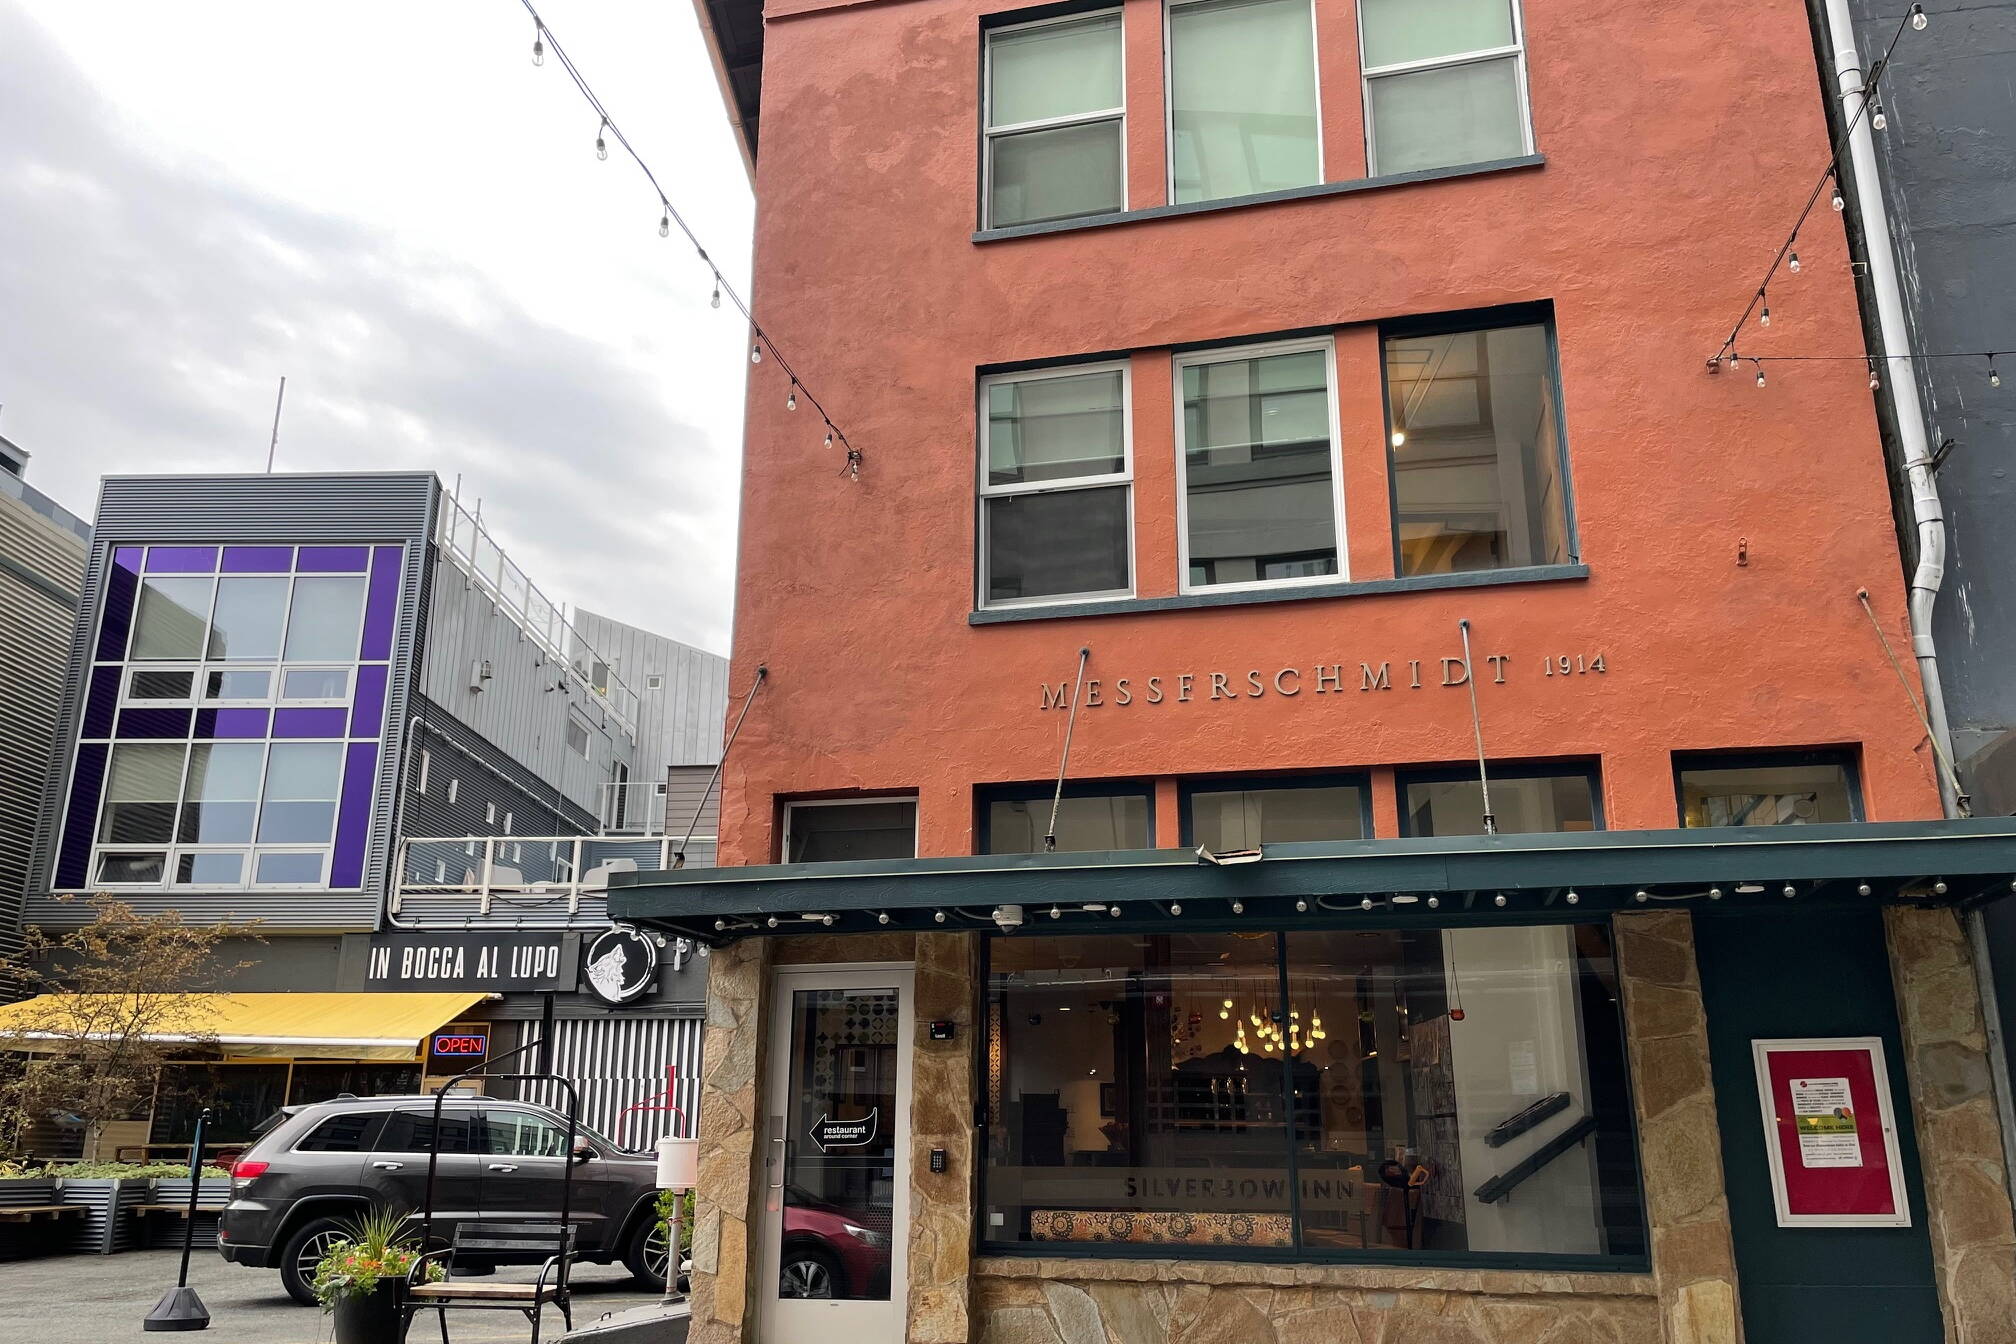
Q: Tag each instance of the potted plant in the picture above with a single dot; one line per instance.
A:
(362, 1278)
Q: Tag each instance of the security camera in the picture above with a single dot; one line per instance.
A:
(1009, 917)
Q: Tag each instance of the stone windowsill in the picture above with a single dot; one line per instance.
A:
(1371, 1278)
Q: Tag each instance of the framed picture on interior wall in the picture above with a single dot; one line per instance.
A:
(1830, 1132)
(1109, 1094)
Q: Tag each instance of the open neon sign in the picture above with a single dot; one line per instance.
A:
(460, 1045)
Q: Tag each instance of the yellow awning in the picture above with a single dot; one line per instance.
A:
(280, 1026)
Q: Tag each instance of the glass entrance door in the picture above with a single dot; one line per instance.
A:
(836, 1169)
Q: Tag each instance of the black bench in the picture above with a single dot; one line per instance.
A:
(479, 1241)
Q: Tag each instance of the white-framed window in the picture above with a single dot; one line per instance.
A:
(1259, 497)
(1054, 119)
(1056, 470)
(654, 682)
(1445, 83)
(426, 763)
(454, 791)
(489, 814)
(1244, 116)
(315, 686)
(152, 684)
(577, 737)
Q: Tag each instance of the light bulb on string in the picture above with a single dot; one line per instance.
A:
(1878, 120)
(538, 46)
(602, 144)
(1793, 262)
(1994, 378)
(715, 302)
(829, 434)
(1918, 19)
(1760, 373)
(1764, 318)
(756, 353)
(1734, 360)
(1874, 381)
(665, 225)
(791, 401)
(1839, 202)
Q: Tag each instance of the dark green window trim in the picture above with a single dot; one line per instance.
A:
(1130, 606)
(1259, 198)
(1188, 789)
(1845, 757)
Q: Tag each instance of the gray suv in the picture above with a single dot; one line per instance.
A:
(313, 1167)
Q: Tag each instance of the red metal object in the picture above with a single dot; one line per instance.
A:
(660, 1101)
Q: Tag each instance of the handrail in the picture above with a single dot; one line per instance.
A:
(522, 873)
(1502, 1185)
(1513, 1126)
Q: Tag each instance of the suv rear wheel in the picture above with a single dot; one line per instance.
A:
(303, 1251)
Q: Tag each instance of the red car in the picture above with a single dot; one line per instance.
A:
(832, 1252)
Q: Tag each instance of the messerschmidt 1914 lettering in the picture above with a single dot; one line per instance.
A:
(1340, 678)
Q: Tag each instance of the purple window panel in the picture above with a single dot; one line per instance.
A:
(353, 815)
(367, 713)
(258, 559)
(149, 723)
(122, 584)
(73, 860)
(309, 722)
(182, 560)
(102, 702)
(230, 723)
(381, 602)
(331, 560)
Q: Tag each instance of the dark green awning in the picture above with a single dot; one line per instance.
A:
(1427, 880)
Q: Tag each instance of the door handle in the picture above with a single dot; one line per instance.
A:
(388, 1166)
(502, 1166)
(779, 1156)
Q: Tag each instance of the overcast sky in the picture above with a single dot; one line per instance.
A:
(384, 201)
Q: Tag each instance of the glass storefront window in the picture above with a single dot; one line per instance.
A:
(866, 829)
(1226, 819)
(1016, 821)
(1522, 801)
(1158, 1091)
(1787, 789)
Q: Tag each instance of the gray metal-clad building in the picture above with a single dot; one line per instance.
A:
(330, 703)
(42, 552)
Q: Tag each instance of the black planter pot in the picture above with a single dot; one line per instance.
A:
(370, 1318)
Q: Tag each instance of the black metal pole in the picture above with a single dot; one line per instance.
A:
(546, 1033)
(195, 1186)
(180, 1308)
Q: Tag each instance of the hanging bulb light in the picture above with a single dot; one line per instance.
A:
(1764, 318)
(1994, 378)
(1840, 202)
(715, 302)
(601, 144)
(1918, 19)
(1877, 119)
(665, 225)
(829, 436)
(1793, 262)
(756, 353)
(1874, 381)
(1732, 361)
(791, 401)
(538, 46)
(1399, 438)
(1760, 373)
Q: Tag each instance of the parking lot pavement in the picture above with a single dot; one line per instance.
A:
(100, 1299)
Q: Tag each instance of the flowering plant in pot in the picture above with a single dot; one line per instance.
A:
(361, 1277)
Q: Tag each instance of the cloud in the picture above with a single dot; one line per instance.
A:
(150, 298)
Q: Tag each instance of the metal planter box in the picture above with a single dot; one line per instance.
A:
(161, 1228)
(107, 1223)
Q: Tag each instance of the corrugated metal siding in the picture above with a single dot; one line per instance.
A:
(680, 723)
(523, 708)
(36, 626)
(483, 775)
(617, 1062)
(684, 785)
(382, 508)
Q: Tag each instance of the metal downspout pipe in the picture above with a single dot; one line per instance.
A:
(1926, 510)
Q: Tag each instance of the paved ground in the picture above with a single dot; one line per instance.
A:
(101, 1299)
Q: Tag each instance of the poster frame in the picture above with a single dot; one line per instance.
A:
(1761, 1051)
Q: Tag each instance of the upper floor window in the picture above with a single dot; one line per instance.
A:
(1257, 448)
(1055, 499)
(850, 828)
(1090, 817)
(1242, 98)
(1479, 477)
(577, 737)
(1228, 816)
(1445, 83)
(1524, 799)
(1056, 121)
(1780, 788)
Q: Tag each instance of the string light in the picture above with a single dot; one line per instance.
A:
(1760, 371)
(1792, 263)
(1874, 381)
(1994, 378)
(669, 216)
(1839, 202)
(791, 401)
(1877, 120)
(1918, 19)
(829, 436)
(1764, 319)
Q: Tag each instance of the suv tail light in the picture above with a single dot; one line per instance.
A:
(243, 1170)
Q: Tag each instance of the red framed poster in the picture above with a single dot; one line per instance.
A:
(1830, 1132)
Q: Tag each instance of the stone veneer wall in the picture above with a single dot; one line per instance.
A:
(1959, 1130)
(738, 985)
(1679, 1131)
(942, 1090)
(1208, 1302)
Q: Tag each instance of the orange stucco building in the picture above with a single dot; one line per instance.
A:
(1217, 369)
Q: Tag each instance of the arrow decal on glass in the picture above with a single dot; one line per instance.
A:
(831, 1134)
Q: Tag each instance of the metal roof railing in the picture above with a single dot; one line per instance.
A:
(533, 881)
(461, 536)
